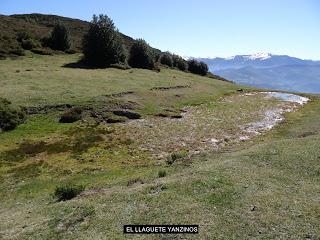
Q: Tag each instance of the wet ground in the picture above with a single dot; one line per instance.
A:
(207, 127)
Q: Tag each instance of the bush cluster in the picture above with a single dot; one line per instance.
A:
(197, 67)
(141, 55)
(103, 47)
(166, 59)
(26, 41)
(60, 38)
(10, 117)
(179, 63)
(175, 156)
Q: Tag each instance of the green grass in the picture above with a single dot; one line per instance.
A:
(264, 188)
(43, 80)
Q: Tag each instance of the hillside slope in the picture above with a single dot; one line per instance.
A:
(185, 162)
(40, 25)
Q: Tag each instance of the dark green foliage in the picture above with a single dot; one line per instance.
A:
(102, 45)
(204, 68)
(162, 173)
(45, 41)
(197, 67)
(17, 51)
(180, 63)
(29, 44)
(67, 192)
(27, 41)
(141, 55)
(60, 39)
(71, 115)
(156, 55)
(10, 118)
(166, 59)
(23, 36)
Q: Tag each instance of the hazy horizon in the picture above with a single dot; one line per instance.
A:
(204, 28)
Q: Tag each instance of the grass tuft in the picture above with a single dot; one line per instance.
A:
(175, 156)
(67, 192)
(162, 173)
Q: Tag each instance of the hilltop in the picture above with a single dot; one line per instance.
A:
(40, 25)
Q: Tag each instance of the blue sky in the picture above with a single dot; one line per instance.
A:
(201, 27)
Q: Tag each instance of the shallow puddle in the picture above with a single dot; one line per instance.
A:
(275, 115)
(289, 97)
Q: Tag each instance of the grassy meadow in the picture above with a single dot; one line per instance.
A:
(264, 188)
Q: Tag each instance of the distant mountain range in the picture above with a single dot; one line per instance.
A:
(269, 71)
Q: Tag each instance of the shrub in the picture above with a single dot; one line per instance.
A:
(45, 41)
(26, 40)
(17, 51)
(67, 192)
(166, 59)
(162, 173)
(102, 45)
(156, 54)
(175, 156)
(23, 36)
(10, 118)
(71, 115)
(197, 67)
(141, 55)
(204, 68)
(180, 63)
(29, 44)
(59, 39)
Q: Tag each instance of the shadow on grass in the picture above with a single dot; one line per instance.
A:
(76, 142)
(80, 65)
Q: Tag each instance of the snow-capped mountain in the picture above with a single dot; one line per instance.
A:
(259, 60)
(269, 71)
(259, 56)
